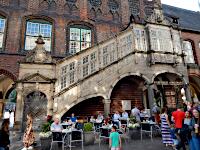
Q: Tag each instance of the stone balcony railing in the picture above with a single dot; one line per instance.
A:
(72, 70)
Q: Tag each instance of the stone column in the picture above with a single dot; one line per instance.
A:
(106, 107)
(50, 100)
(150, 95)
(19, 107)
(187, 92)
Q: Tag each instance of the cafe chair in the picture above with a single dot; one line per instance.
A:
(76, 136)
(104, 134)
(124, 122)
(57, 137)
(146, 128)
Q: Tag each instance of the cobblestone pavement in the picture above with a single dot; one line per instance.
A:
(145, 144)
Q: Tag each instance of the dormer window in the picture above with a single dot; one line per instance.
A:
(175, 20)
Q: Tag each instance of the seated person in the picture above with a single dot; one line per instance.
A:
(92, 119)
(116, 118)
(124, 115)
(143, 115)
(73, 118)
(55, 126)
(99, 118)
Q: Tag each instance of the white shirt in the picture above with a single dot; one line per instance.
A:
(56, 127)
(125, 115)
(136, 112)
(116, 116)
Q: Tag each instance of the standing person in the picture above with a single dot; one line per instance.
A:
(178, 118)
(156, 113)
(136, 112)
(194, 142)
(4, 135)
(165, 128)
(115, 142)
(29, 137)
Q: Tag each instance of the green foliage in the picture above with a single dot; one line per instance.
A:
(88, 127)
(46, 127)
(132, 119)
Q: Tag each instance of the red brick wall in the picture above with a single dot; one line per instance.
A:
(129, 88)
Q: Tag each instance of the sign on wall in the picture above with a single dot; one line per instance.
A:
(126, 104)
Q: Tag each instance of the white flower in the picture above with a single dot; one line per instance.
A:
(45, 134)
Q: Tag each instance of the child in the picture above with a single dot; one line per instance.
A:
(175, 138)
(115, 140)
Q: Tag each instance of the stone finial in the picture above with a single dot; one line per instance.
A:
(40, 40)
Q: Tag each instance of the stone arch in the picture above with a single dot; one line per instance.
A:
(8, 74)
(168, 88)
(129, 88)
(123, 76)
(164, 71)
(64, 110)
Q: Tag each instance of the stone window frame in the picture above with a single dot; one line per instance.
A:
(141, 39)
(4, 16)
(132, 7)
(85, 67)
(80, 24)
(40, 19)
(193, 50)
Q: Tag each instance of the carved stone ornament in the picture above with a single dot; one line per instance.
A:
(50, 1)
(95, 3)
(38, 54)
(71, 4)
(113, 5)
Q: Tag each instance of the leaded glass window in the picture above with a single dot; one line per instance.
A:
(187, 46)
(80, 39)
(2, 29)
(140, 39)
(33, 30)
(134, 6)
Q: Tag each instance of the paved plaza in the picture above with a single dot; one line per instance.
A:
(146, 144)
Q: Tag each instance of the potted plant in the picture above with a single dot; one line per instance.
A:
(134, 128)
(45, 134)
(89, 136)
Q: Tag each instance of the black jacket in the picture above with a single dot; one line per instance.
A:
(4, 139)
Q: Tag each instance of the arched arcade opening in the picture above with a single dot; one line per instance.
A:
(86, 108)
(129, 92)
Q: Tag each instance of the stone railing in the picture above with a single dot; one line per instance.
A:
(75, 68)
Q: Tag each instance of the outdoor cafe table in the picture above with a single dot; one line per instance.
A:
(66, 124)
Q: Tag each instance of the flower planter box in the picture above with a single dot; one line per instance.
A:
(134, 133)
(45, 143)
(89, 138)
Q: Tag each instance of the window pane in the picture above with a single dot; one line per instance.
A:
(1, 40)
(2, 25)
(75, 34)
(47, 44)
(74, 47)
(85, 45)
(85, 35)
(32, 29)
(45, 30)
(30, 42)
